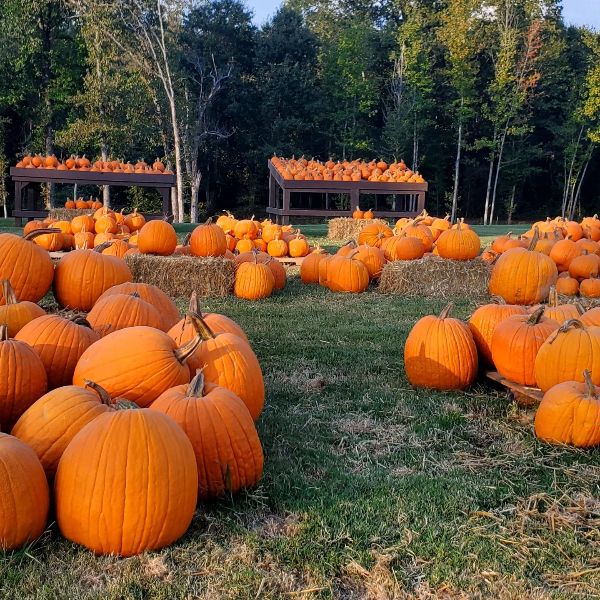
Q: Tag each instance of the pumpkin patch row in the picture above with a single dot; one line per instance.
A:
(355, 170)
(76, 163)
(162, 407)
(554, 347)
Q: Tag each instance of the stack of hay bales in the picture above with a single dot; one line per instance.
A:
(67, 214)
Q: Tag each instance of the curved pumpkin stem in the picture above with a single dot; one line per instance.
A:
(579, 308)
(196, 387)
(571, 323)
(591, 388)
(182, 354)
(123, 404)
(553, 298)
(101, 247)
(187, 238)
(194, 306)
(446, 312)
(79, 320)
(104, 395)
(37, 232)
(8, 292)
(3, 332)
(536, 315)
(535, 239)
(204, 331)
(208, 221)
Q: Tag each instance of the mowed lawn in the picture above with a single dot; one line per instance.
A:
(371, 489)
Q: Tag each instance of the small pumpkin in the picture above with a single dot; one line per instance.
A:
(584, 266)
(567, 286)
(590, 288)
(374, 234)
(135, 220)
(563, 252)
(253, 280)
(309, 269)
(298, 246)
(560, 312)
(16, 314)
(277, 247)
(358, 214)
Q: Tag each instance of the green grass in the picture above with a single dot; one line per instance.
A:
(371, 489)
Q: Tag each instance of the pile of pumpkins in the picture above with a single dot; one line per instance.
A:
(355, 170)
(555, 347)
(122, 419)
(560, 253)
(76, 163)
(357, 213)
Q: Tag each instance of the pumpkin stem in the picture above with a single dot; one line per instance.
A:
(575, 323)
(497, 300)
(536, 315)
(104, 395)
(201, 327)
(79, 320)
(3, 332)
(182, 354)
(186, 239)
(193, 306)
(124, 404)
(446, 312)
(101, 247)
(591, 388)
(208, 221)
(196, 387)
(553, 298)
(37, 232)
(535, 239)
(8, 292)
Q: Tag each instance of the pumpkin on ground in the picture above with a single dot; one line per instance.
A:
(590, 288)
(136, 363)
(208, 240)
(26, 265)
(82, 276)
(347, 274)
(228, 451)
(253, 280)
(523, 276)
(50, 423)
(569, 413)
(17, 314)
(516, 342)
(157, 237)
(24, 495)
(440, 353)
(567, 353)
(309, 269)
(59, 343)
(561, 312)
(373, 258)
(126, 483)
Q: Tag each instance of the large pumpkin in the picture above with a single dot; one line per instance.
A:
(137, 363)
(253, 281)
(347, 274)
(516, 342)
(26, 265)
(82, 276)
(403, 247)
(228, 451)
(17, 314)
(126, 483)
(373, 258)
(523, 276)
(569, 413)
(157, 237)
(153, 295)
(567, 353)
(208, 240)
(459, 243)
(440, 353)
(50, 423)
(24, 496)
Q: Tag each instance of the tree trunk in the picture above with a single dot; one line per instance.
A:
(497, 177)
(194, 194)
(457, 165)
(567, 188)
(105, 188)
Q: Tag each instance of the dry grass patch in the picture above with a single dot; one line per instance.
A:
(66, 214)
(346, 228)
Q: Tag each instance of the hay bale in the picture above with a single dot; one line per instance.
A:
(180, 275)
(436, 278)
(66, 214)
(345, 228)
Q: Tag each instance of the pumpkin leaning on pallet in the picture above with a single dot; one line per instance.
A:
(143, 459)
(59, 342)
(50, 423)
(229, 362)
(16, 314)
(24, 494)
(153, 295)
(26, 265)
(483, 323)
(82, 276)
(309, 269)
(566, 353)
(569, 413)
(157, 237)
(523, 276)
(440, 353)
(228, 451)
(137, 363)
(23, 378)
(516, 342)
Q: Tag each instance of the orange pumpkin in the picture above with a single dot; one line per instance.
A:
(590, 288)
(347, 274)
(208, 240)
(374, 234)
(157, 237)
(16, 314)
(135, 220)
(459, 243)
(309, 269)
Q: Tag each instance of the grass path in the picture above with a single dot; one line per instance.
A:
(371, 489)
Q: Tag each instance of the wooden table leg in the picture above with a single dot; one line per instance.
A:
(285, 218)
(18, 202)
(166, 202)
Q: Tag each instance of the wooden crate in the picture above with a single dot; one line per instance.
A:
(524, 396)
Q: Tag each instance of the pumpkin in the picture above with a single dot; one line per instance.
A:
(157, 237)
(373, 258)
(563, 252)
(347, 274)
(569, 413)
(567, 353)
(590, 245)
(32, 226)
(50, 423)
(59, 343)
(100, 239)
(560, 312)
(358, 214)
(117, 311)
(403, 247)
(459, 243)
(136, 363)
(116, 248)
(105, 224)
(26, 265)
(82, 276)
(523, 276)
(226, 222)
(277, 247)
(246, 229)
(483, 323)
(119, 463)
(505, 242)
(590, 288)
(591, 317)
(208, 240)
(516, 342)
(229, 362)
(244, 246)
(24, 495)
(227, 448)
(253, 280)
(441, 224)
(440, 353)
(135, 220)
(567, 286)
(368, 214)
(270, 230)
(324, 270)
(17, 314)
(584, 266)
(50, 239)
(309, 269)
(374, 234)
(298, 246)
(349, 247)
(23, 378)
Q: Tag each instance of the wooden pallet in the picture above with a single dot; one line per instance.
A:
(524, 395)
(288, 260)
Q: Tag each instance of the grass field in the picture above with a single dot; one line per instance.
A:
(371, 489)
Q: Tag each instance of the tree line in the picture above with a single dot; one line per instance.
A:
(496, 102)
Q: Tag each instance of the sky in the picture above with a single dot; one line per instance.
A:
(576, 12)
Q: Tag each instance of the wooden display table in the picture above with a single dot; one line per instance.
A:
(29, 208)
(280, 191)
